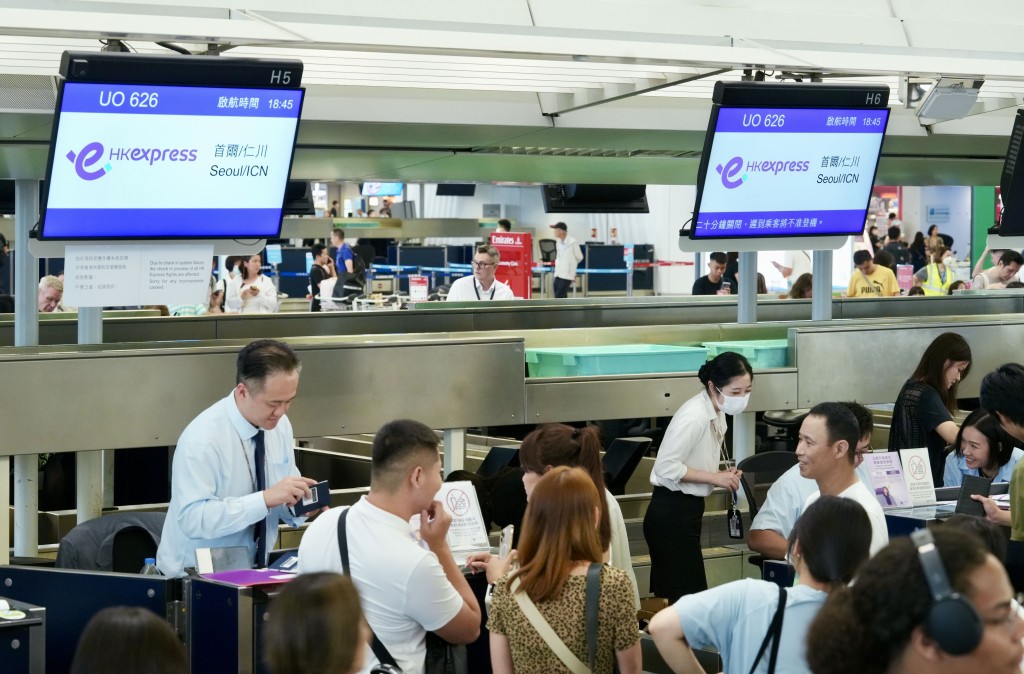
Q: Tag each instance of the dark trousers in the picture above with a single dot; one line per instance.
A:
(561, 287)
(672, 528)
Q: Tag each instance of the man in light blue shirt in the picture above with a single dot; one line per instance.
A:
(233, 476)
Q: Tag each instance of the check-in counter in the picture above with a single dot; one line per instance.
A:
(539, 314)
(145, 395)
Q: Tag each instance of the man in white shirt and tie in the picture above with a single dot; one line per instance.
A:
(233, 477)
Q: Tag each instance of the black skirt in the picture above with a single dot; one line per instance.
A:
(672, 528)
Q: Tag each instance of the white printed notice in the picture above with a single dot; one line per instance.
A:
(887, 479)
(467, 534)
(175, 274)
(133, 275)
(101, 276)
(917, 471)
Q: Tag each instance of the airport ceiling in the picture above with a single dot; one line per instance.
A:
(530, 91)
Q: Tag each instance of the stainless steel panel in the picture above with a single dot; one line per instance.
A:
(144, 397)
(1008, 302)
(623, 397)
(339, 323)
(516, 316)
(871, 363)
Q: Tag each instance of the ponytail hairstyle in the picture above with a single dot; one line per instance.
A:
(835, 537)
(551, 445)
(723, 368)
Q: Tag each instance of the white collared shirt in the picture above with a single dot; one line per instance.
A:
(468, 289)
(693, 439)
(214, 499)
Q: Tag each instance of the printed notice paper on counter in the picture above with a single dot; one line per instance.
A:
(467, 534)
(133, 275)
(887, 479)
(917, 471)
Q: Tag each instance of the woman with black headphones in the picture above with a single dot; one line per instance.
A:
(936, 603)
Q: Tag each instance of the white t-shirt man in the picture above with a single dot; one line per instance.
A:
(859, 493)
(469, 289)
(401, 584)
(799, 261)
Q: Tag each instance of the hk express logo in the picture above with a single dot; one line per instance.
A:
(736, 165)
(90, 155)
(729, 172)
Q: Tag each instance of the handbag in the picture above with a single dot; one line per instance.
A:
(547, 633)
(442, 657)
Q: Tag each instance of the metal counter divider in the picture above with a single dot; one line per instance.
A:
(349, 385)
(520, 314)
(144, 395)
(870, 363)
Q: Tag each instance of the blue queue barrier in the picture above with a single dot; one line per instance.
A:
(71, 598)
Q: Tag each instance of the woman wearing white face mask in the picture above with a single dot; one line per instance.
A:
(686, 470)
(936, 277)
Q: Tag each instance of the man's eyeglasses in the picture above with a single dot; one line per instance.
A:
(480, 265)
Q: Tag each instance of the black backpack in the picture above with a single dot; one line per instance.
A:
(900, 253)
(351, 283)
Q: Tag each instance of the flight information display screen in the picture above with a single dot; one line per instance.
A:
(776, 171)
(154, 161)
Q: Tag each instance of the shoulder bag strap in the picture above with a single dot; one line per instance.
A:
(774, 635)
(377, 646)
(593, 600)
(874, 290)
(546, 632)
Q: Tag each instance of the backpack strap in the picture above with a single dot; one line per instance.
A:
(593, 600)
(774, 635)
(377, 646)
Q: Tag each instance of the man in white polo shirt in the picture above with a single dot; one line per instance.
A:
(407, 587)
(481, 285)
(828, 453)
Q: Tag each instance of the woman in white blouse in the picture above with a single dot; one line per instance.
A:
(251, 292)
(686, 470)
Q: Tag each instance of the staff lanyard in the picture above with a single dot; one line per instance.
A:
(476, 289)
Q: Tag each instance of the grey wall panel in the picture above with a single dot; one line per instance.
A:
(871, 364)
(139, 398)
(623, 397)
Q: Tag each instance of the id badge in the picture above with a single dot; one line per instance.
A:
(734, 519)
